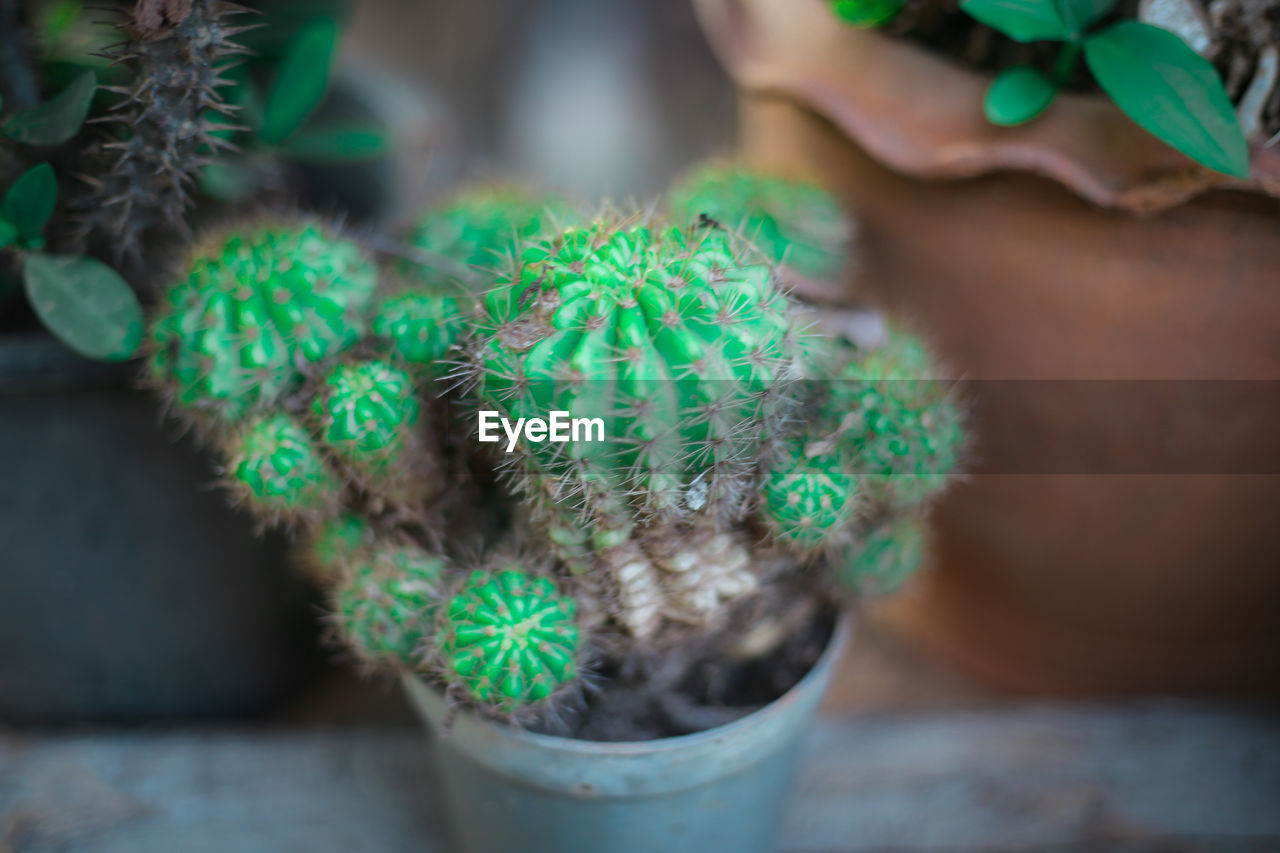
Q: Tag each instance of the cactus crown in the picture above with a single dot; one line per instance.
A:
(509, 639)
(387, 604)
(275, 464)
(676, 339)
(366, 411)
(254, 307)
(478, 231)
(793, 222)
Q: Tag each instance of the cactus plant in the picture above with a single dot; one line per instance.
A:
(254, 308)
(367, 412)
(680, 342)
(170, 115)
(421, 327)
(509, 639)
(387, 603)
(793, 222)
(476, 232)
(810, 498)
(884, 556)
(337, 539)
(275, 466)
(902, 424)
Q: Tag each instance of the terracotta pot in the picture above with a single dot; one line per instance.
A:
(1113, 537)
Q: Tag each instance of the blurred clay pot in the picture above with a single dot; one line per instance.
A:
(1116, 535)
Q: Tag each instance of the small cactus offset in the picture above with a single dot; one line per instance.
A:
(385, 605)
(809, 498)
(368, 412)
(255, 307)
(460, 244)
(276, 467)
(509, 639)
(899, 421)
(884, 556)
(169, 118)
(335, 542)
(793, 222)
(420, 327)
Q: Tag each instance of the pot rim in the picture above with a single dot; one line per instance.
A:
(840, 633)
(921, 114)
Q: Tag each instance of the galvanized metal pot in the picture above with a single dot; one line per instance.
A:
(721, 790)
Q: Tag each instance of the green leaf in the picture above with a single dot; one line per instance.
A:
(338, 144)
(85, 303)
(301, 82)
(8, 233)
(866, 14)
(29, 202)
(1079, 14)
(1171, 91)
(1018, 95)
(1020, 20)
(58, 119)
(228, 180)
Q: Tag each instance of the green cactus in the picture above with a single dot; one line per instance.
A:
(276, 467)
(885, 556)
(902, 425)
(793, 222)
(367, 413)
(681, 343)
(510, 639)
(253, 309)
(809, 501)
(420, 326)
(477, 232)
(676, 339)
(386, 607)
(335, 543)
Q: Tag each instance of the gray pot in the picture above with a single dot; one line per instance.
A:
(128, 588)
(721, 790)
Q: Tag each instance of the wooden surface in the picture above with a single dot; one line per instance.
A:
(1140, 778)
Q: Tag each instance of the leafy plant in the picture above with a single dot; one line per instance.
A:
(276, 123)
(81, 300)
(1154, 76)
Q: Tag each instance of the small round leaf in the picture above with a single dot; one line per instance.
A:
(58, 119)
(866, 14)
(29, 202)
(1017, 95)
(85, 303)
(301, 82)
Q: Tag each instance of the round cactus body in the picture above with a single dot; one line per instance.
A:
(478, 232)
(387, 605)
(903, 426)
(253, 308)
(275, 465)
(883, 558)
(367, 411)
(510, 639)
(421, 327)
(793, 222)
(809, 501)
(336, 543)
(677, 341)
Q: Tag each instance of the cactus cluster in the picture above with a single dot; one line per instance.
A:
(723, 446)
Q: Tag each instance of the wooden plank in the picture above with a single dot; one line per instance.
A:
(1150, 778)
